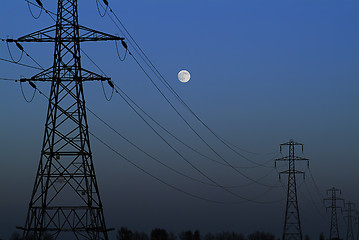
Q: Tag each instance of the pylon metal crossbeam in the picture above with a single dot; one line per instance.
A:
(292, 227)
(47, 35)
(65, 200)
(48, 76)
(65, 34)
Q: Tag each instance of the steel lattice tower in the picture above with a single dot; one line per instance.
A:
(356, 220)
(292, 228)
(349, 210)
(334, 228)
(65, 201)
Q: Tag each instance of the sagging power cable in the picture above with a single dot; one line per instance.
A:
(9, 79)
(192, 129)
(18, 45)
(154, 70)
(191, 164)
(189, 124)
(313, 201)
(214, 182)
(178, 139)
(22, 91)
(118, 90)
(41, 8)
(168, 86)
(126, 50)
(151, 156)
(20, 64)
(98, 9)
(133, 103)
(159, 179)
(103, 88)
(130, 54)
(114, 130)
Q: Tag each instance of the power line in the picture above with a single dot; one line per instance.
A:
(202, 139)
(122, 94)
(312, 200)
(159, 179)
(169, 87)
(146, 153)
(12, 58)
(50, 13)
(247, 151)
(98, 9)
(179, 140)
(198, 136)
(32, 14)
(165, 82)
(165, 165)
(315, 184)
(18, 45)
(165, 140)
(185, 159)
(9, 79)
(193, 166)
(158, 74)
(196, 133)
(163, 181)
(23, 94)
(20, 64)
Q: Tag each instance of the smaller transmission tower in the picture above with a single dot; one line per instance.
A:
(292, 228)
(349, 210)
(356, 220)
(333, 198)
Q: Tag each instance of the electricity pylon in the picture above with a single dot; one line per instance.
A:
(349, 210)
(356, 220)
(334, 229)
(292, 228)
(65, 202)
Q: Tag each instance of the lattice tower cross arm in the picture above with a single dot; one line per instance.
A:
(56, 34)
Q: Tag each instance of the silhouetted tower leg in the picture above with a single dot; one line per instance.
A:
(292, 228)
(349, 210)
(65, 201)
(334, 229)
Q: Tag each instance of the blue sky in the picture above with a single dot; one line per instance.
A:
(262, 72)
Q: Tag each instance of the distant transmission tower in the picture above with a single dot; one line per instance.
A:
(356, 220)
(292, 228)
(349, 210)
(65, 202)
(334, 229)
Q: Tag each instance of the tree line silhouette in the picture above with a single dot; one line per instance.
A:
(161, 234)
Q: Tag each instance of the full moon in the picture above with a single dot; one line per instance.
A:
(184, 76)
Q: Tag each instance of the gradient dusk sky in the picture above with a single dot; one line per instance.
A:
(262, 72)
